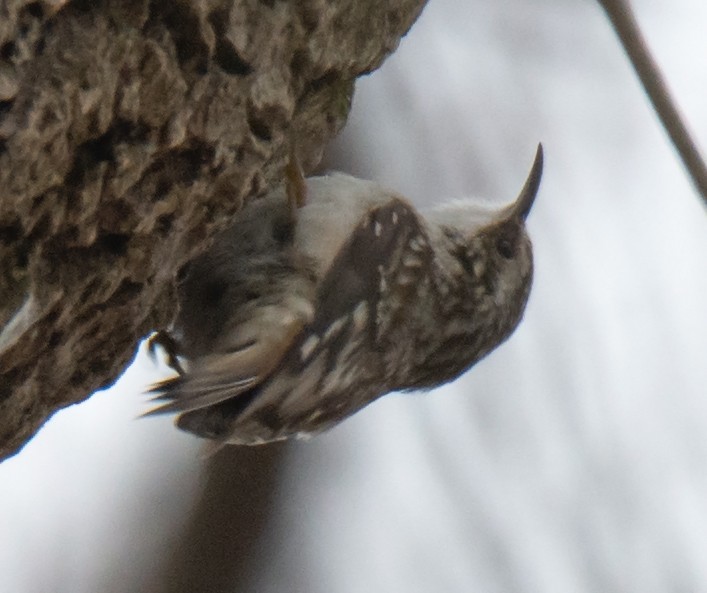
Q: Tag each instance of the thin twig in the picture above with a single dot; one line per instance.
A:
(624, 22)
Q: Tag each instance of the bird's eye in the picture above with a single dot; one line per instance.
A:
(506, 247)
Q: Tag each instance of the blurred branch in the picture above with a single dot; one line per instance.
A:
(624, 23)
(222, 545)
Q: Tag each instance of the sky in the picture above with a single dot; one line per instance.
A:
(571, 459)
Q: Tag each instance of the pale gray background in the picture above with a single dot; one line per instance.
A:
(573, 459)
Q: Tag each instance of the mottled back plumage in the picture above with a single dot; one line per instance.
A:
(297, 317)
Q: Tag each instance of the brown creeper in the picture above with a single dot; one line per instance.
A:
(312, 307)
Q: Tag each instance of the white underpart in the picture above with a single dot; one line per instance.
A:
(466, 214)
(336, 204)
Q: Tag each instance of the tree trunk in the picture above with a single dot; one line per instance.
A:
(131, 131)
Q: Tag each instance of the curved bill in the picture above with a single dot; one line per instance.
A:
(521, 207)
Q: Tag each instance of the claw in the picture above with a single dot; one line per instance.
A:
(295, 183)
(164, 340)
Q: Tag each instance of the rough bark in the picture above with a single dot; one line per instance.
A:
(130, 132)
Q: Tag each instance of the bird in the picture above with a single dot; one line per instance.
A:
(332, 291)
